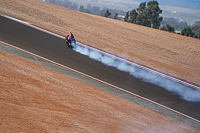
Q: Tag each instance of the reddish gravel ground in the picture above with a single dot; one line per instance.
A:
(36, 99)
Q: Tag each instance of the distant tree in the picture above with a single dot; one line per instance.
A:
(147, 14)
(187, 31)
(142, 8)
(167, 28)
(89, 7)
(115, 17)
(175, 23)
(133, 16)
(152, 14)
(81, 8)
(196, 30)
(126, 18)
(170, 28)
(141, 17)
(141, 20)
(107, 14)
(164, 28)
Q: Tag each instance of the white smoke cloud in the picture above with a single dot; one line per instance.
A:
(184, 91)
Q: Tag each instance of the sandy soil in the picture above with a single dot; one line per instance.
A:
(171, 53)
(36, 99)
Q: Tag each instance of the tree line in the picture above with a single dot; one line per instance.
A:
(171, 24)
(111, 13)
(106, 12)
(193, 31)
(147, 14)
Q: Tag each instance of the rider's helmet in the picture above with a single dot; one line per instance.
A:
(70, 34)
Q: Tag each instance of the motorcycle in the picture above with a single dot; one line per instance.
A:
(71, 42)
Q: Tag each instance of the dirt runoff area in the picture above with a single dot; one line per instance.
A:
(36, 99)
(171, 53)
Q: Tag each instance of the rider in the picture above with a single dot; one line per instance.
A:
(69, 37)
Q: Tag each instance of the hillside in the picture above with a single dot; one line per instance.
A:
(168, 52)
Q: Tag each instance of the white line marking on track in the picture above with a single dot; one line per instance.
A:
(101, 81)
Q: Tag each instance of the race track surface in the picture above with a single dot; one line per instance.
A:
(55, 49)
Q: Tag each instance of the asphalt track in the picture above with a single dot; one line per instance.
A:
(54, 48)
